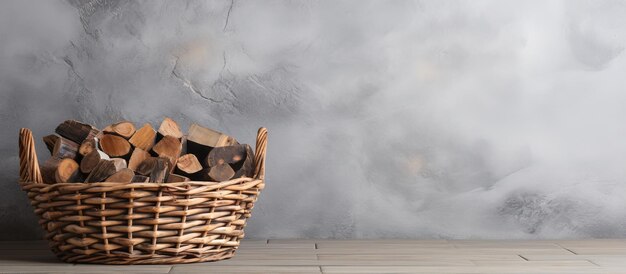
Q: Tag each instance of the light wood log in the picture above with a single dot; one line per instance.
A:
(125, 175)
(64, 148)
(188, 164)
(124, 129)
(156, 168)
(50, 140)
(119, 163)
(91, 160)
(114, 146)
(144, 137)
(169, 127)
(138, 156)
(169, 147)
(222, 172)
(201, 140)
(67, 171)
(76, 131)
(175, 178)
(89, 145)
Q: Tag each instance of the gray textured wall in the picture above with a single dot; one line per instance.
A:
(436, 119)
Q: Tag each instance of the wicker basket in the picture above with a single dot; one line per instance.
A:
(141, 223)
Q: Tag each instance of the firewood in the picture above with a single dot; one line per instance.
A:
(175, 178)
(137, 157)
(114, 146)
(89, 145)
(227, 154)
(64, 148)
(91, 160)
(50, 140)
(188, 164)
(48, 169)
(124, 129)
(201, 140)
(222, 172)
(245, 167)
(67, 171)
(144, 137)
(154, 167)
(140, 179)
(125, 175)
(119, 163)
(76, 131)
(169, 147)
(170, 128)
(103, 170)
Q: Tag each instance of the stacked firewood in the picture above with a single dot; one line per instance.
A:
(122, 153)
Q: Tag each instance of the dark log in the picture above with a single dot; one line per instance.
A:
(245, 167)
(138, 156)
(156, 168)
(103, 170)
(114, 146)
(64, 148)
(140, 179)
(89, 145)
(228, 154)
(76, 131)
(220, 173)
(50, 140)
(144, 137)
(48, 170)
(175, 178)
(91, 160)
(67, 171)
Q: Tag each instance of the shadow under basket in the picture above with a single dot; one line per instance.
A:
(141, 223)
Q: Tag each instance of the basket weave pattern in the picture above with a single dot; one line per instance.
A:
(141, 223)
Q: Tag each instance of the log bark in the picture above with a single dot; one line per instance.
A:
(67, 171)
(144, 137)
(124, 129)
(156, 168)
(201, 140)
(175, 178)
(169, 127)
(169, 147)
(140, 179)
(222, 172)
(138, 156)
(50, 140)
(76, 131)
(64, 148)
(89, 145)
(125, 175)
(103, 170)
(114, 146)
(188, 164)
(91, 160)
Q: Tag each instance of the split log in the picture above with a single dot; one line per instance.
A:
(48, 170)
(89, 145)
(221, 173)
(144, 137)
(156, 168)
(67, 171)
(169, 147)
(245, 167)
(170, 128)
(103, 170)
(64, 148)
(138, 156)
(188, 164)
(124, 129)
(201, 140)
(91, 160)
(227, 154)
(140, 179)
(125, 175)
(119, 163)
(175, 178)
(50, 140)
(114, 146)
(76, 131)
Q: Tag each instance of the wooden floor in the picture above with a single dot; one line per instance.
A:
(362, 256)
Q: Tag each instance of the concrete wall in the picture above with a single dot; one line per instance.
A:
(434, 119)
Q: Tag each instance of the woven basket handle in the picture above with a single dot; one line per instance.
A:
(259, 154)
(29, 166)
